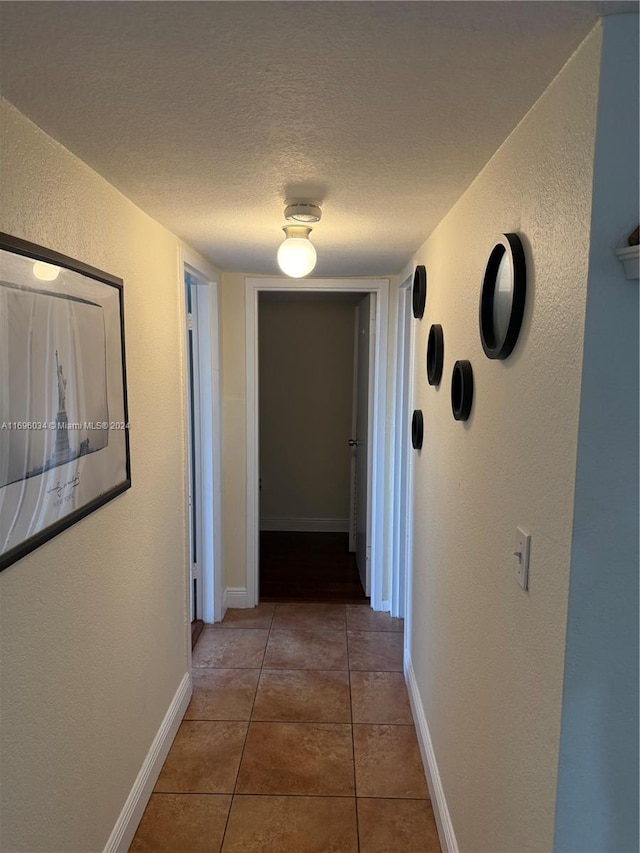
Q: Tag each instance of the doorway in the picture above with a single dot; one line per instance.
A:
(306, 348)
(377, 403)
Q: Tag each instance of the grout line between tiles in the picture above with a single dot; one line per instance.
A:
(305, 796)
(273, 616)
(191, 794)
(246, 738)
(353, 750)
(272, 794)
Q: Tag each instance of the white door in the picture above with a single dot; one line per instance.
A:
(361, 443)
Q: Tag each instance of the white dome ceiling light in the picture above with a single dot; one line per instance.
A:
(297, 255)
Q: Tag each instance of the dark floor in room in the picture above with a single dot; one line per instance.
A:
(308, 567)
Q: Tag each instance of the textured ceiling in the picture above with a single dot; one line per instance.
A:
(209, 114)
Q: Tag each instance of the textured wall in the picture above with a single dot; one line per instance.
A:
(598, 773)
(94, 623)
(306, 394)
(488, 656)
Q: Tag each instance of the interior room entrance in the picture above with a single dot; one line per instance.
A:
(312, 483)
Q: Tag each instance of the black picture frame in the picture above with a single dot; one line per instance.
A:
(435, 354)
(419, 292)
(499, 343)
(417, 429)
(64, 423)
(461, 390)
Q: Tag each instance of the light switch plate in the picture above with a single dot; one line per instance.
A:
(521, 557)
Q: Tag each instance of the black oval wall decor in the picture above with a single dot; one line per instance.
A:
(435, 355)
(417, 429)
(502, 299)
(461, 390)
(419, 291)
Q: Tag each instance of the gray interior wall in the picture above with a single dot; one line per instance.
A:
(306, 392)
(597, 800)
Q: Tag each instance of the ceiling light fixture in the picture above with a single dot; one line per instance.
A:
(302, 211)
(297, 254)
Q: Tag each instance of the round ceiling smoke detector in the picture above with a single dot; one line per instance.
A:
(302, 211)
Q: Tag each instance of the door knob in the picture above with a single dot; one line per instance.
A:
(353, 442)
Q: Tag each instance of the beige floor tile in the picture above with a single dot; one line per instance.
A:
(388, 762)
(297, 758)
(380, 697)
(182, 822)
(204, 758)
(231, 648)
(377, 651)
(360, 617)
(303, 696)
(251, 617)
(323, 616)
(222, 694)
(391, 826)
(291, 825)
(306, 649)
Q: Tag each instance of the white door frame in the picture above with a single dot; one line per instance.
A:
(195, 441)
(402, 546)
(211, 591)
(380, 287)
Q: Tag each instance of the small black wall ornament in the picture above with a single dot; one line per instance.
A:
(435, 355)
(419, 294)
(417, 429)
(461, 390)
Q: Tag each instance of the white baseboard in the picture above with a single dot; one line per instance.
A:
(448, 841)
(306, 525)
(385, 606)
(235, 597)
(131, 814)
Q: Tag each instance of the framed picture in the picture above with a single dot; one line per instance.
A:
(64, 429)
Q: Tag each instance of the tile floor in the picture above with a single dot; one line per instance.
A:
(298, 739)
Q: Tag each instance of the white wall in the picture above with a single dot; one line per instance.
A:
(597, 807)
(488, 657)
(94, 624)
(306, 393)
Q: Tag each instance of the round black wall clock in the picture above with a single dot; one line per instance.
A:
(417, 429)
(503, 295)
(419, 291)
(435, 355)
(461, 390)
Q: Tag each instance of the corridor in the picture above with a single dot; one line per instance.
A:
(298, 739)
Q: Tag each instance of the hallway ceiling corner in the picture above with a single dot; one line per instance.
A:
(210, 115)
